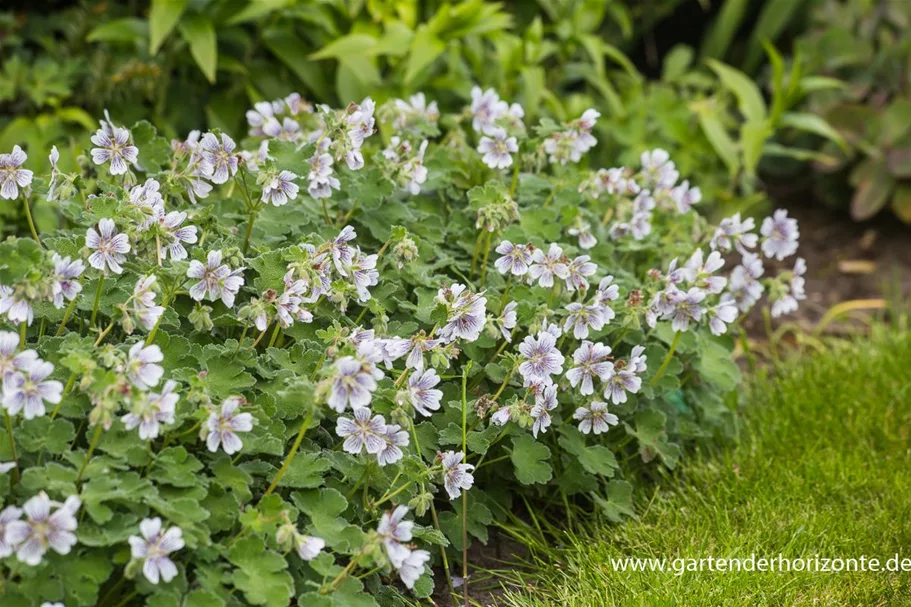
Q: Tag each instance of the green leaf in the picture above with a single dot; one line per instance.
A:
(813, 123)
(619, 502)
(717, 135)
(753, 136)
(305, 472)
(901, 202)
(163, 16)
(530, 460)
(350, 46)
(653, 438)
(749, 97)
(261, 574)
(873, 192)
(425, 48)
(596, 459)
(119, 30)
(199, 33)
(722, 31)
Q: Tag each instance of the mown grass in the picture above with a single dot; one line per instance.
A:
(823, 468)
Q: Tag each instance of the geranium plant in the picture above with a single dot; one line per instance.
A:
(313, 366)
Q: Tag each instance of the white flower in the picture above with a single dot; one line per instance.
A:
(466, 313)
(722, 314)
(11, 360)
(215, 279)
(507, 321)
(224, 425)
(486, 107)
(541, 358)
(413, 567)
(456, 475)
(744, 283)
(582, 318)
(42, 529)
(27, 390)
(583, 232)
(497, 147)
(659, 171)
(514, 258)
(788, 302)
(394, 531)
(421, 392)
(151, 410)
(393, 438)
(780, 234)
(699, 273)
(114, 147)
(364, 431)
(280, 188)
(109, 246)
(144, 302)
(595, 418)
(16, 305)
(142, 368)
(591, 360)
(7, 516)
(685, 197)
(65, 285)
(219, 157)
(413, 171)
(732, 232)
(173, 235)
(12, 175)
(153, 549)
(308, 547)
(545, 402)
(354, 381)
(548, 266)
(320, 178)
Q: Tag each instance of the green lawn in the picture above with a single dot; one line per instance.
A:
(823, 468)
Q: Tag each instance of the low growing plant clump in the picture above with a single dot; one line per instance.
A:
(312, 366)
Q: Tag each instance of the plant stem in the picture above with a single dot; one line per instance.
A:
(103, 334)
(97, 300)
(23, 327)
(31, 222)
(253, 213)
(477, 250)
(66, 390)
(66, 317)
(88, 456)
(274, 334)
(291, 454)
(505, 381)
(12, 446)
(515, 180)
(465, 492)
(259, 339)
(243, 335)
(505, 293)
(667, 358)
(484, 262)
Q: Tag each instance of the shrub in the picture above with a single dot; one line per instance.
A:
(317, 362)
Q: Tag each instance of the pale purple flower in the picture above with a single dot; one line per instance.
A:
(595, 418)
(413, 567)
(393, 438)
(216, 280)
(658, 169)
(545, 402)
(153, 549)
(507, 321)
(604, 295)
(114, 147)
(108, 246)
(151, 410)
(577, 271)
(637, 360)
(65, 286)
(224, 424)
(422, 393)
(7, 516)
(583, 232)
(394, 532)
(280, 188)
(11, 360)
(548, 266)
(144, 302)
(173, 235)
(219, 157)
(391, 349)
(413, 171)
(685, 197)
(360, 122)
(353, 384)
(16, 306)
(687, 308)
(456, 475)
(486, 107)
(43, 530)
(308, 547)
(342, 253)
(619, 382)
(365, 431)
(27, 390)
(744, 283)
(722, 314)
(541, 357)
(466, 313)
(700, 273)
(780, 234)
(583, 318)
(732, 232)
(497, 147)
(514, 259)
(591, 360)
(143, 369)
(12, 175)
(320, 178)
(363, 273)
(419, 344)
(796, 293)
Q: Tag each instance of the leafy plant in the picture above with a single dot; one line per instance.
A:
(241, 372)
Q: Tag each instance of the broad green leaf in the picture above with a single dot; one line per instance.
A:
(199, 34)
(749, 97)
(163, 16)
(813, 123)
(723, 29)
(350, 46)
(425, 48)
(619, 502)
(119, 30)
(529, 457)
(753, 136)
(261, 573)
(717, 135)
(873, 192)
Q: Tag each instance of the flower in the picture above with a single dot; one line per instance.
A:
(687, 308)
(321, 181)
(142, 368)
(541, 357)
(637, 360)
(456, 475)
(362, 432)
(218, 157)
(591, 360)
(12, 176)
(215, 279)
(466, 313)
(700, 274)
(723, 314)
(224, 425)
(394, 531)
(744, 283)
(393, 438)
(547, 266)
(788, 302)
(419, 344)
(658, 169)
(595, 418)
(16, 305)
(114, 146)
(144, 302)
(545, 402)
(685, 197)
(780, 234)
(27, 390)
(109, 246)
(415, 108)
(732, 232)
(153, 548)
(514, 259)
(43, 529)
(576, 272)
(421, 393)
(497, 147)
(353, 384)
(604, 294)
(280, 188)
(65, 285)
(11, 360)
(308, 547)
(620, 381)
(413, 567)
(582, 231)
(148, 411)
(582, 318)
(413, 171)
(53, 157)
(173, 235)
(506, 321)
(7, 516)
(486, 107)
